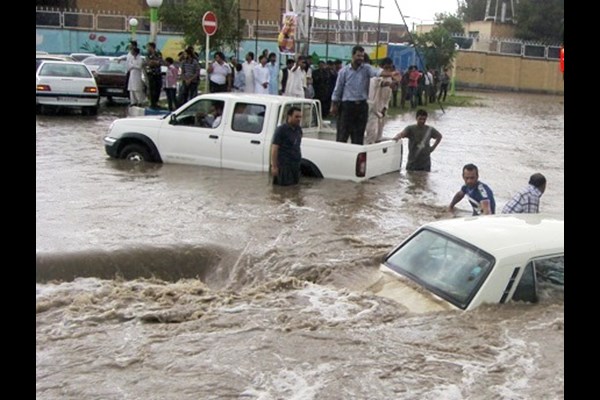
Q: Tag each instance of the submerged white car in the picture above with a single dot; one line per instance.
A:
(462, 263)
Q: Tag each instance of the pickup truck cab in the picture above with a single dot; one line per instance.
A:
(462, 263)
(241, 138)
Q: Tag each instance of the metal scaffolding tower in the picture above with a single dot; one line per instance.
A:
(506, 12)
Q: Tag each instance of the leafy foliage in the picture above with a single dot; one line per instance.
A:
(436, 47)
(541, 20)
(188, 19)
(472, 10)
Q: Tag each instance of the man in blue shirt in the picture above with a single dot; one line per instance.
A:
(479, 194)
(527, 200)
(350, 96)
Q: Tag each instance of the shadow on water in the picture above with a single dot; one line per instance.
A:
(209, 263)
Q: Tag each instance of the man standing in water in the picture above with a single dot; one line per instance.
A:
(350, 96)
(479, 194)
(285, 150)
(527, 200)
(419, 137)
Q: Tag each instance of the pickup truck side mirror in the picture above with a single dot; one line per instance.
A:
(173, 120)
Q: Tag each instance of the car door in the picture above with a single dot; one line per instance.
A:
(192, 136)
(244, 140)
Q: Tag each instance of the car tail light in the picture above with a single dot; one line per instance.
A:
(361, 164)
(90, 89)
(43, 88)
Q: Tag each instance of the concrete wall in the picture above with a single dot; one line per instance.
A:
(514, 73)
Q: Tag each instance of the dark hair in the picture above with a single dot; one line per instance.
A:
(220, 54)
(272, 55)
(169, 60)
(238, 67)
(251, 54)
(289, 61)
(152, 44)
(338, 61)
(421, 111)
(537, 180)
(471, 167)
(357, 48)
(386, 61)
(292, 110)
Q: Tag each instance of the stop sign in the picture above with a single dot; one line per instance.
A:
(209, 23)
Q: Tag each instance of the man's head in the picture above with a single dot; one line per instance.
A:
(151, 47)
(249, 56)
(470, 175)
(421, 116)
(387, 63)
(272, 58)
(220, 57)
(539, 181)
(262, 59)
(358, 55)
(294, 116)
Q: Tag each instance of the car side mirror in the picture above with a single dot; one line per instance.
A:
(173, 120)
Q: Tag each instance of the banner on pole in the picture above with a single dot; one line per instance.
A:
(287, 35)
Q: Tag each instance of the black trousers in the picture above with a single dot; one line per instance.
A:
(155, 86)
(352, 121)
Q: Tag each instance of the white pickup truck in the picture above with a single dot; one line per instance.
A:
(242, 138)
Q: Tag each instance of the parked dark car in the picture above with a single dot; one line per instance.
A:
(111, 79)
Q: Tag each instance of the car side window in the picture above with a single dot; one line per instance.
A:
(248, 117)
(526, 289)
(203, 114)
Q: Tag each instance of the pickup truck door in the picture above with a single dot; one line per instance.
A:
(244, 144)
(193, 136)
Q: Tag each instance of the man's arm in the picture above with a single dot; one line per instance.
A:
(437, 141)
(486, 209)
(457, 197)
(274, 155)
(401, 135)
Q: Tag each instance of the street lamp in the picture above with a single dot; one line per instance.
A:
(133, 23)
(154, 4)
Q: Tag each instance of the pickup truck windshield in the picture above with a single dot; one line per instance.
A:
(447, 267)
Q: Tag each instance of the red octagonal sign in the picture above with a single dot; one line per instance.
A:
(209, 23)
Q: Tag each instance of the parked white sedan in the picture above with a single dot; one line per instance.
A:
(462, 263)
(66, 84)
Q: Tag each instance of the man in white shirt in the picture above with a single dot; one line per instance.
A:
(247, 68)
(261, 76)
(296, 78)
(220, 74)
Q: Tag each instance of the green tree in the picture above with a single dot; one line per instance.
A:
(472, 10)
(188, 19)
(436, 47)
(450, 22)
(540, 20)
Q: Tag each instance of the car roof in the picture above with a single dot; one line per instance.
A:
(250, 97)
(504, 235)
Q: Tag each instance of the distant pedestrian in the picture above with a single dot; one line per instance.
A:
(527, 200)
(219, 74)
(190, 69)
(350, 95)
(135, 85)
(261, 76)
(154, 61)
(273, 67)
(285, 150)
(444, 81)
(479, 194)
(171, 83)
(419, 143)
(239, 79)
(248, 67)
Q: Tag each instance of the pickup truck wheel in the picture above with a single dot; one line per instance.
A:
(135, 153)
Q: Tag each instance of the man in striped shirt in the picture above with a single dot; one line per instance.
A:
(527, 200)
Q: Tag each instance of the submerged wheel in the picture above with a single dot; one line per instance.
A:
(135, 153)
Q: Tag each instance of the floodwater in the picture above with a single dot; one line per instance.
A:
(183, 282)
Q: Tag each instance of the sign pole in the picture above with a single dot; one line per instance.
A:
(209, 24)
(206, 65)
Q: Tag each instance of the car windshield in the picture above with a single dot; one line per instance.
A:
(111, 67)
(450, 268)
(66, 70)
(96, 60)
